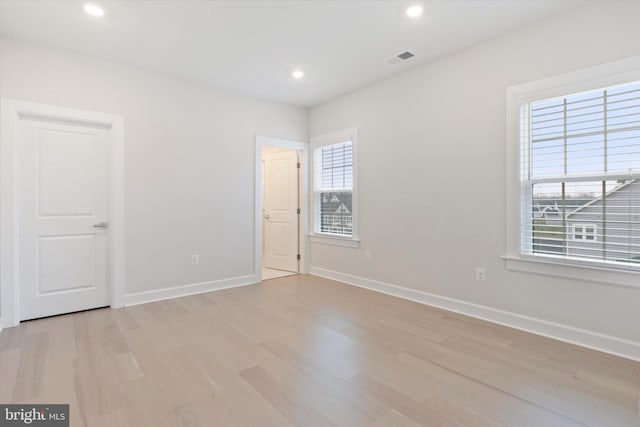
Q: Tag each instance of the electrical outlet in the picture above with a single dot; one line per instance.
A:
(367, 255)
(481, 274)
(195, 259)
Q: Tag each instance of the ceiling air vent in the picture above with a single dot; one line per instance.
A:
(400, 57)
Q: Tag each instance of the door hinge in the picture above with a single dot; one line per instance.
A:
(298, 165)
(298, 211)
(298, 256)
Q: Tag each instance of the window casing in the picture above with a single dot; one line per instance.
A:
(586, 232)
(333, 183)
(580, 176)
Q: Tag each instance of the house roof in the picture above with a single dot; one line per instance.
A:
(335, 200)
(599, 199)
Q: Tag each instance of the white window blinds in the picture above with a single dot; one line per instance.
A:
(334, 167)
(580, 164)
(333, 187)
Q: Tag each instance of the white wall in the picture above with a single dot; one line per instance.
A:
(189, 158)
(432, 172)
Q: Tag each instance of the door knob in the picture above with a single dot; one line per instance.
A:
(102, 225)
(266, 216)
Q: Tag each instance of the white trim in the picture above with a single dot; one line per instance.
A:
(608, 74)
(116, 213)
(303, 148)
(582, 270)
(602, 75)
(345, 135)
(12, 110)
(584, 338)
(334, 240)
(186, 290)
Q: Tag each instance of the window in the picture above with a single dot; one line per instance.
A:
(333, 185)
(580, 176)
(334, 188)
(584, 232)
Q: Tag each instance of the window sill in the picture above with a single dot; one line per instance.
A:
(577, 270)
(325, 239)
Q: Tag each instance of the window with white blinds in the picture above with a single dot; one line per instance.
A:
(580, 182)
(333, 189)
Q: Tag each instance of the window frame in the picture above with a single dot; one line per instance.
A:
(592, 78)
(315, 236)
(584, 233)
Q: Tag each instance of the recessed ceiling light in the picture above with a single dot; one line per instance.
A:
(297, 74)
(414, 11)
(93, 9)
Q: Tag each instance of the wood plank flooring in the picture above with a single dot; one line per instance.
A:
(306, 351)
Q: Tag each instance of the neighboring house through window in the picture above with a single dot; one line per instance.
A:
(579, 166)
(333, 185)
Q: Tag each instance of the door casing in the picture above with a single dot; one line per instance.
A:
(12, 111)
(303, 148)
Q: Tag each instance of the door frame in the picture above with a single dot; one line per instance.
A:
(12, 111)
(303, 148)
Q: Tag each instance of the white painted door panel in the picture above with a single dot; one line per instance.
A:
(281, 210)
(63, 189)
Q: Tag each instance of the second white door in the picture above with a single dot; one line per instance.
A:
(63, 205)
(280, 209)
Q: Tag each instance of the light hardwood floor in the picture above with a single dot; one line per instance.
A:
(306, 351)
(272, 273)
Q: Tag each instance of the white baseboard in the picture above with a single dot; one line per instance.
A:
(192, 289)
(594, 340)
(1, 324)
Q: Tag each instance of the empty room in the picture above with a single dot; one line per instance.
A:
(320, 213)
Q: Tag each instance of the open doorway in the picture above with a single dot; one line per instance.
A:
(280, 198)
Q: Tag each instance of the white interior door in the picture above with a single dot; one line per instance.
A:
(280, 210)
(63, 223)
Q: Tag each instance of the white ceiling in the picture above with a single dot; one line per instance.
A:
(252, 46)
